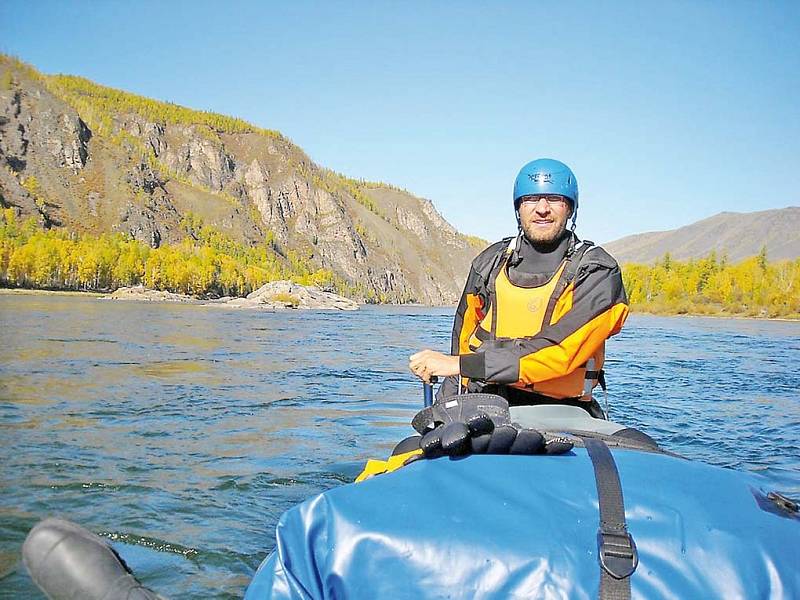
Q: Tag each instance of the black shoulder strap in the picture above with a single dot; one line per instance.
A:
(486, 274)
(573, 260)
(616, 549)
(491, 276)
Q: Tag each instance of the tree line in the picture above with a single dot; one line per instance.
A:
(79, 91)
(205, 264)
(715, 286)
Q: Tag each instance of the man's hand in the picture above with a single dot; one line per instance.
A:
(428, 363)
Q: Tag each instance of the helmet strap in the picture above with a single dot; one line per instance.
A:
(516, 255)
(573, 241)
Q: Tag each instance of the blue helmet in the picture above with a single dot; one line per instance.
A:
(547, 176)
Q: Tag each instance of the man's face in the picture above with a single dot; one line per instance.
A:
(544, 217)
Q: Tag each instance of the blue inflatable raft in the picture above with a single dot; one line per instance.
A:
(504, 526)
(615, 517)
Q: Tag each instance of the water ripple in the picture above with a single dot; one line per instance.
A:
(183, 433)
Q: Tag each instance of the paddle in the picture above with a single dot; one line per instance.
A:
(427, 389)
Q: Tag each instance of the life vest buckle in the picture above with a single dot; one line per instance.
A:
(617, 551)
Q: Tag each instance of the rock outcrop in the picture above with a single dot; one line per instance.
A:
(276, 295)
(287, 294)
(143, 294)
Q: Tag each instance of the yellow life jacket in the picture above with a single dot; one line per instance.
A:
(518, 312)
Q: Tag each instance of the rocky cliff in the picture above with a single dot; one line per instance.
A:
(92, 159)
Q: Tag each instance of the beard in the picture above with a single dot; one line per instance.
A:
(545, 236)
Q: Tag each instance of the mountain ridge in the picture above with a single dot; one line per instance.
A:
(94, 160)
(732, 234)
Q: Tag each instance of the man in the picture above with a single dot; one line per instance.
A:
(536, 310)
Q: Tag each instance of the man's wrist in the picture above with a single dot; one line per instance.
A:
(472, 366)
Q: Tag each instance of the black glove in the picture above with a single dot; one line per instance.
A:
(478, 424)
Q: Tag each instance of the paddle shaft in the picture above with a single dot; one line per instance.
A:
(427, 389)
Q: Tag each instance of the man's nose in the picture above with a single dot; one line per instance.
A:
(542, 206)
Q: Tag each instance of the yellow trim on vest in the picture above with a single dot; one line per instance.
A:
(378, 467)
(470, 322)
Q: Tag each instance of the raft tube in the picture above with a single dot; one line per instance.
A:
(489, 526)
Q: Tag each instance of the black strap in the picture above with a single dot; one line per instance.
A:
(600, 376)
(485, 274)
(498, 265)
(616, 549)
(574, 256)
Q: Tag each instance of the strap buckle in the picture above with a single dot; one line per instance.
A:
(617, 551)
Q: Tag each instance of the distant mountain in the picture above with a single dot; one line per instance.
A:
(737, 235)
(92, 159)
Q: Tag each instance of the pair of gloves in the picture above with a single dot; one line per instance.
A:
(475, 424)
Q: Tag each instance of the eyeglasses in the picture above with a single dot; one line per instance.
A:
(555, 201)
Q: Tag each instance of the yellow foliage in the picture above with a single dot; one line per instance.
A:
(6, 81)
(206, 264)
(14, 64)
(107, 101)
(336, 184)
(752, 287)
(34, 188)
(475, 241)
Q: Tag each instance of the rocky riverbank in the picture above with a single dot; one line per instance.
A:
(276, 295)
(143, 294)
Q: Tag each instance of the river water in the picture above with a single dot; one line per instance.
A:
(183, 432)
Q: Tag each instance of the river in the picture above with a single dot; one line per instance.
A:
(182, 432)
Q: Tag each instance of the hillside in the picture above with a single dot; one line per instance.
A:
(735, 235)
(92, 160)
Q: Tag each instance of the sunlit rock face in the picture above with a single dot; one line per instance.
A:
(118, 168)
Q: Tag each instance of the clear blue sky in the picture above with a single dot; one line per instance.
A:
(668, 112)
